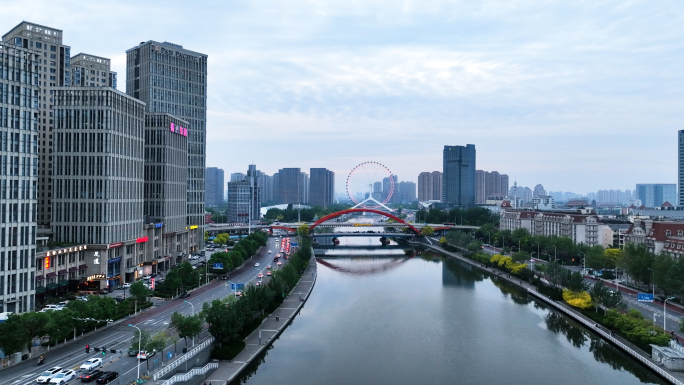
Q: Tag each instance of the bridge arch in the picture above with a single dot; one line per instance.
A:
(349, 211)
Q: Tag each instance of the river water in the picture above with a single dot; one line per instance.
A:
(381, 317)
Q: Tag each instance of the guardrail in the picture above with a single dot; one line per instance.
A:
(590, 325)
(175, 363)
(194, 372)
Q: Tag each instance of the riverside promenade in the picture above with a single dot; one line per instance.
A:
(676, 378)
(269, 330)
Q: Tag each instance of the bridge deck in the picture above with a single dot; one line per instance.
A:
(362, 234)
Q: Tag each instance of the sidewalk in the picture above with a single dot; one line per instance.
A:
(269, 330)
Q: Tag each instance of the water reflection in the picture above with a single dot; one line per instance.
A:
(457, 273)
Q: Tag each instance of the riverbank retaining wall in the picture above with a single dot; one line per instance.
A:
(672, 377)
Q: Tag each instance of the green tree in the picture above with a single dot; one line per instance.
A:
(139, 291)
(636, 259)
(427, 231)
(577, 282)
(13, 337)
(157, 342)
(303, 230)
(521, 256)
(598, 292)
(140, 340)
(186, 327)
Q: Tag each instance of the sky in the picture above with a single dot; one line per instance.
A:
(577, 96)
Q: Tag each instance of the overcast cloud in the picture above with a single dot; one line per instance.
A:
(577, 96)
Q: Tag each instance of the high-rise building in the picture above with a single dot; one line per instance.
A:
(490, 184)
(54, 70)
(238, 201)
(655, 194)
(292, 186)
(214, 186)
(458, 177)
(19, 145)
(406, 192)
(430, 186)
(255, 194)
(389, 185)
(681, 167)
(322, 188)
(99, 177)
(165, 205)
(173, 80)
(237, 176)
(539, 191)
(93, 71)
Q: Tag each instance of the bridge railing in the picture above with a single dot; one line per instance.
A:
(169, 367)
(189, 375)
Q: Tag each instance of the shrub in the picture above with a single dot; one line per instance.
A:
(580, 300)
(228, 351)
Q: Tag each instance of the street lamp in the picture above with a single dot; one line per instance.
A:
(139, 347)
(538, 255)
(652, 283)
(584, 262)
(193, 313)
(554, 253)
(665, 312)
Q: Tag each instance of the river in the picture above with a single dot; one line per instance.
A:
(375, 318)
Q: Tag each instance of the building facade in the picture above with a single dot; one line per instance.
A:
(292, 186)
(656, 194)
(53, 70)
(99, 174)
(581, 228)
(173, 80)
(322, 187)
(659, 237)
(93, 71)
(214, 186)
(490, 184)
(19, 155)
(430, 186)
(458, 176)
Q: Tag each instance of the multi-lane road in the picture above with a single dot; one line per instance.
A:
(118, 336)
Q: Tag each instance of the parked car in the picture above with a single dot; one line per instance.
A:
(143, 355)
(91, 364)
(63, 377)
(224, 277)
(119, 298)
(107, 377)
(91, 375)
(132, 353)
(45, 377)
(257, 264)
(126, 285)
(185, 294)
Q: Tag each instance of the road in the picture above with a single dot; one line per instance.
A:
(153, 320)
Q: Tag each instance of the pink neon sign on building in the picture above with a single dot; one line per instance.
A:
(179, 129)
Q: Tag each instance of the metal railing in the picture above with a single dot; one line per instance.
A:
(194, 372)
(180, 359)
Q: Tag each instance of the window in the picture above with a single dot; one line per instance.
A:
(668, 233)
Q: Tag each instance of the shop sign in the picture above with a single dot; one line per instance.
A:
(95, 277)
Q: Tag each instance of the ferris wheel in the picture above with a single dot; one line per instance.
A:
(370, 185)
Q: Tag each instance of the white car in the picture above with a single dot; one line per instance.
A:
(257, 264)
(270, 251)
(45, 377)
(143, 355)
(63, 377)
(91, 364)
(126, 285)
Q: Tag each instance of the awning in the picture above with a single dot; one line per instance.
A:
(52, 286)
(51, 275)
(62, 272)
(40, 289)
(63, 283)
(83, 267)
(73, 269)
(39, 278)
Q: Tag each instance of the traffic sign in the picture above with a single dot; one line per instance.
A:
(232, 286)
(238, 286)
(218, 266)
(294, 244)
(643, 297)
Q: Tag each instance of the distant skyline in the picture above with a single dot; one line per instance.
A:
(579, 97)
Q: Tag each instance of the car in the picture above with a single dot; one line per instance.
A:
(275, 259)
(91, 364)
(268, 273)
(279, 263)
(147, 277)
(126, 285)
(224, 277)
(268, 267)
(260, 275)
(63, 377)
(103, 292)
(185, 294)
(258, 283)
(270, 251)
(144, 354)
(119, 298)
(257, 264)
(133, 353)
(107, 377)
(45, 377)
(238, 294)
(91, 375)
